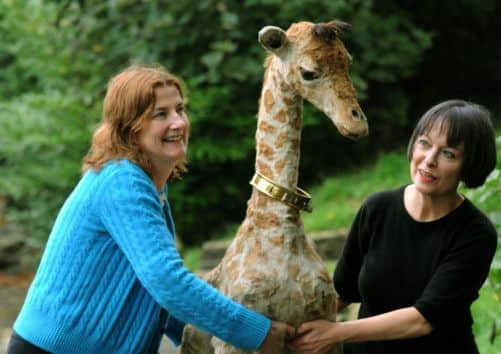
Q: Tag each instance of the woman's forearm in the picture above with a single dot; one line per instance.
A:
(403, 323)
(320, 335)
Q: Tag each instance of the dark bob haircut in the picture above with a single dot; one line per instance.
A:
(467, 123)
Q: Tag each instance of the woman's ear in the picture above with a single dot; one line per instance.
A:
(273, 39)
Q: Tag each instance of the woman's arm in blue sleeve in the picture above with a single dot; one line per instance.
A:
(132, 214)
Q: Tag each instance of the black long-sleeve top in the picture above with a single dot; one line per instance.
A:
(391, 261)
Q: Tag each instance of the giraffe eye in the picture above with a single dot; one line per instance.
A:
(308, 75)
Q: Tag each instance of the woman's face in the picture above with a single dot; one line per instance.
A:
(436, 167)
(164, 138)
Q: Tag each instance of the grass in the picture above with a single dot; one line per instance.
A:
(337, 199)
(191, 257)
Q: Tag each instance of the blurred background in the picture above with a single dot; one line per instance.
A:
(56, 58)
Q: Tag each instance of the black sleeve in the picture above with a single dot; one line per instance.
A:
(455, 284)
(351, 260)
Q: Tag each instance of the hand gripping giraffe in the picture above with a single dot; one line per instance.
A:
(271, 266)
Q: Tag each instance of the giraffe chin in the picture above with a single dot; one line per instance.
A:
(354, 135)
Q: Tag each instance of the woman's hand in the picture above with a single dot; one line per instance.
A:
(275, 339)
(315, 337)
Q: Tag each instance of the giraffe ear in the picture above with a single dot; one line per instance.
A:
(273, 39)
(331, 30)
(340, 26)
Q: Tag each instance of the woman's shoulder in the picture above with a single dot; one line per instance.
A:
(122, 174)
(117, 170)
(122, 167)
(386, 198)
(476, 220)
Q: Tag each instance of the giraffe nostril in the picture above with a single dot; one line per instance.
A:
(358, 115)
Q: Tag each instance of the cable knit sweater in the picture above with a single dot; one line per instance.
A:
(109, 269)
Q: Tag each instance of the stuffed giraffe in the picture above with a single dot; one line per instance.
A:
(271, 266)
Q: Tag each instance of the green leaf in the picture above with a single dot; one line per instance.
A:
(212, 59)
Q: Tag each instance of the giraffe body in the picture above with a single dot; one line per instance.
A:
(271, 266)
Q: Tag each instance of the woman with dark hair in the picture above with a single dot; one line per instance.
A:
(416, 256)
(111, 279)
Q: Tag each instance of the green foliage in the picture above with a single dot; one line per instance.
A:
(191, 258)
(44, 137)
(486, 311)
(42, 50)
(488, 198)
(70, 49)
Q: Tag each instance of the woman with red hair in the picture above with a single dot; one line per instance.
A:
(111, 279)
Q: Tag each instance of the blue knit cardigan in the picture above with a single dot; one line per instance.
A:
(110, 269)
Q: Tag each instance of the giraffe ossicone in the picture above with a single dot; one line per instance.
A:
(270, 265)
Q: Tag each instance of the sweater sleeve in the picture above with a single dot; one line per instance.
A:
(455, 283)
(132, 214)
(351, 260)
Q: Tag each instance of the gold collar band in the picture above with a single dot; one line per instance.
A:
(297, 198)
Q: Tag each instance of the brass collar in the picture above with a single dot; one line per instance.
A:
(297, 198)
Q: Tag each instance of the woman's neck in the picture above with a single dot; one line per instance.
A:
(425, 208)
(160, 176)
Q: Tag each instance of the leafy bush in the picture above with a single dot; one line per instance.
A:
(44, 137)
(73, 47)
(488, 198)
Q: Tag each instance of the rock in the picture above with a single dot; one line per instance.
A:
(11, 244)
(329, 244)
(212, 253)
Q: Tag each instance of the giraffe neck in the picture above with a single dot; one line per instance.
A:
(278, 134)
(278, 138)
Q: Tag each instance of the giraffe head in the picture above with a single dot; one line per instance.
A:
(313, 62)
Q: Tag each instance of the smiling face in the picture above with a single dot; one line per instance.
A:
(435, 167)
(164, 137)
